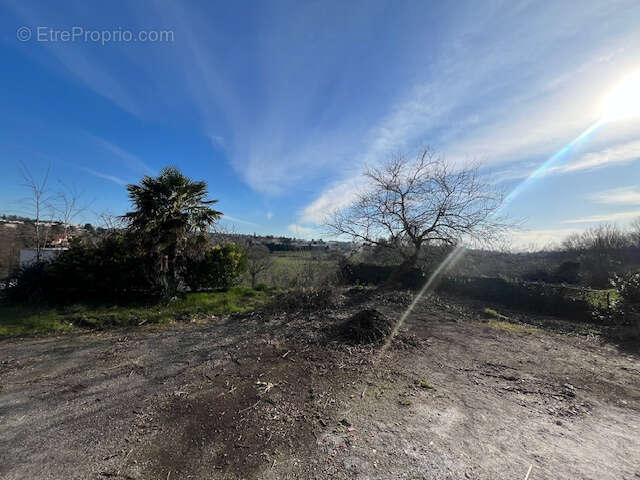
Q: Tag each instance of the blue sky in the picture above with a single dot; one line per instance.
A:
(278, 105)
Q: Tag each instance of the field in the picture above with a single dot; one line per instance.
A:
(300, 269)
(465, 390)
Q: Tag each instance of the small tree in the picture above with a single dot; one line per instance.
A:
(599, 251)
(628, 287)
(169, 209)
(40, 207)
(69, 206)
(410, 204)
(258, 261)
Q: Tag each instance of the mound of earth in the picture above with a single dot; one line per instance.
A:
(366, 326)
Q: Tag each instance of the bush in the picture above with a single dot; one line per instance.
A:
(567, 272)
(112, 269)
(369, 274)
(536, 275)
(115, 268)
(218, 268)
(628, 286)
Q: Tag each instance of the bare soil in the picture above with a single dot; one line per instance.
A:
(276, 396)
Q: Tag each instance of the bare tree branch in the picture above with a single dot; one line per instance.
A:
(409, 204)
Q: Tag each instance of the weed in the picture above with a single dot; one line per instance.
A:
(511, 327)
(424, 384)
(493, 313)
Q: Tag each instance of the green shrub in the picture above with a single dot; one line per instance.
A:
(111, 269)
(567, 272)
(628, 287)
(218, 268)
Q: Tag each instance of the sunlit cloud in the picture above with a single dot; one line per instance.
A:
(616, 155)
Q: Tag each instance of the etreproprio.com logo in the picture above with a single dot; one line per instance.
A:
(80, 34)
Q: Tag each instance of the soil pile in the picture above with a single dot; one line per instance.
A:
(365, 327)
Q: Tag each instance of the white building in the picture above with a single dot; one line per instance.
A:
(29, 255)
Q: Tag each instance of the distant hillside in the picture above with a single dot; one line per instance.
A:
(282, 244)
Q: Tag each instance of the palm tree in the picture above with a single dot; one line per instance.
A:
(169, 209)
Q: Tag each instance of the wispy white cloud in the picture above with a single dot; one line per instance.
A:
(75, 58)
(616, 155)
(239, 220)
(619, 154)
(104, 176)
(337, 196)
(606, 217)
(130, 161)
(511, 107)
(218, 141)
(618, 196)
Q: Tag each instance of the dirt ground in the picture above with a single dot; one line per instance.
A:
(275, 396)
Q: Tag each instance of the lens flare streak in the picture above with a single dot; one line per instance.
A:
(458, 252)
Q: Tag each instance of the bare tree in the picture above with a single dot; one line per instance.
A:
(68, 205)
(40, 206)
(599, 238)
(110, 223)
(635, 232)
(410, 204)
(258, 261)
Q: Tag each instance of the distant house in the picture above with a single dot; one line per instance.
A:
(29, 255)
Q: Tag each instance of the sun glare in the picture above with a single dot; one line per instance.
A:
(623, 101)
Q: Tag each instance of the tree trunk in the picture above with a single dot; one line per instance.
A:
(171, 286)
(397, 276)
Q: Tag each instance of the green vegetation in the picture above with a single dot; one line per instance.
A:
(511, 327)
(16, 320)
(164, 247)
(424, 384)
(601, 298)
(493, 313)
